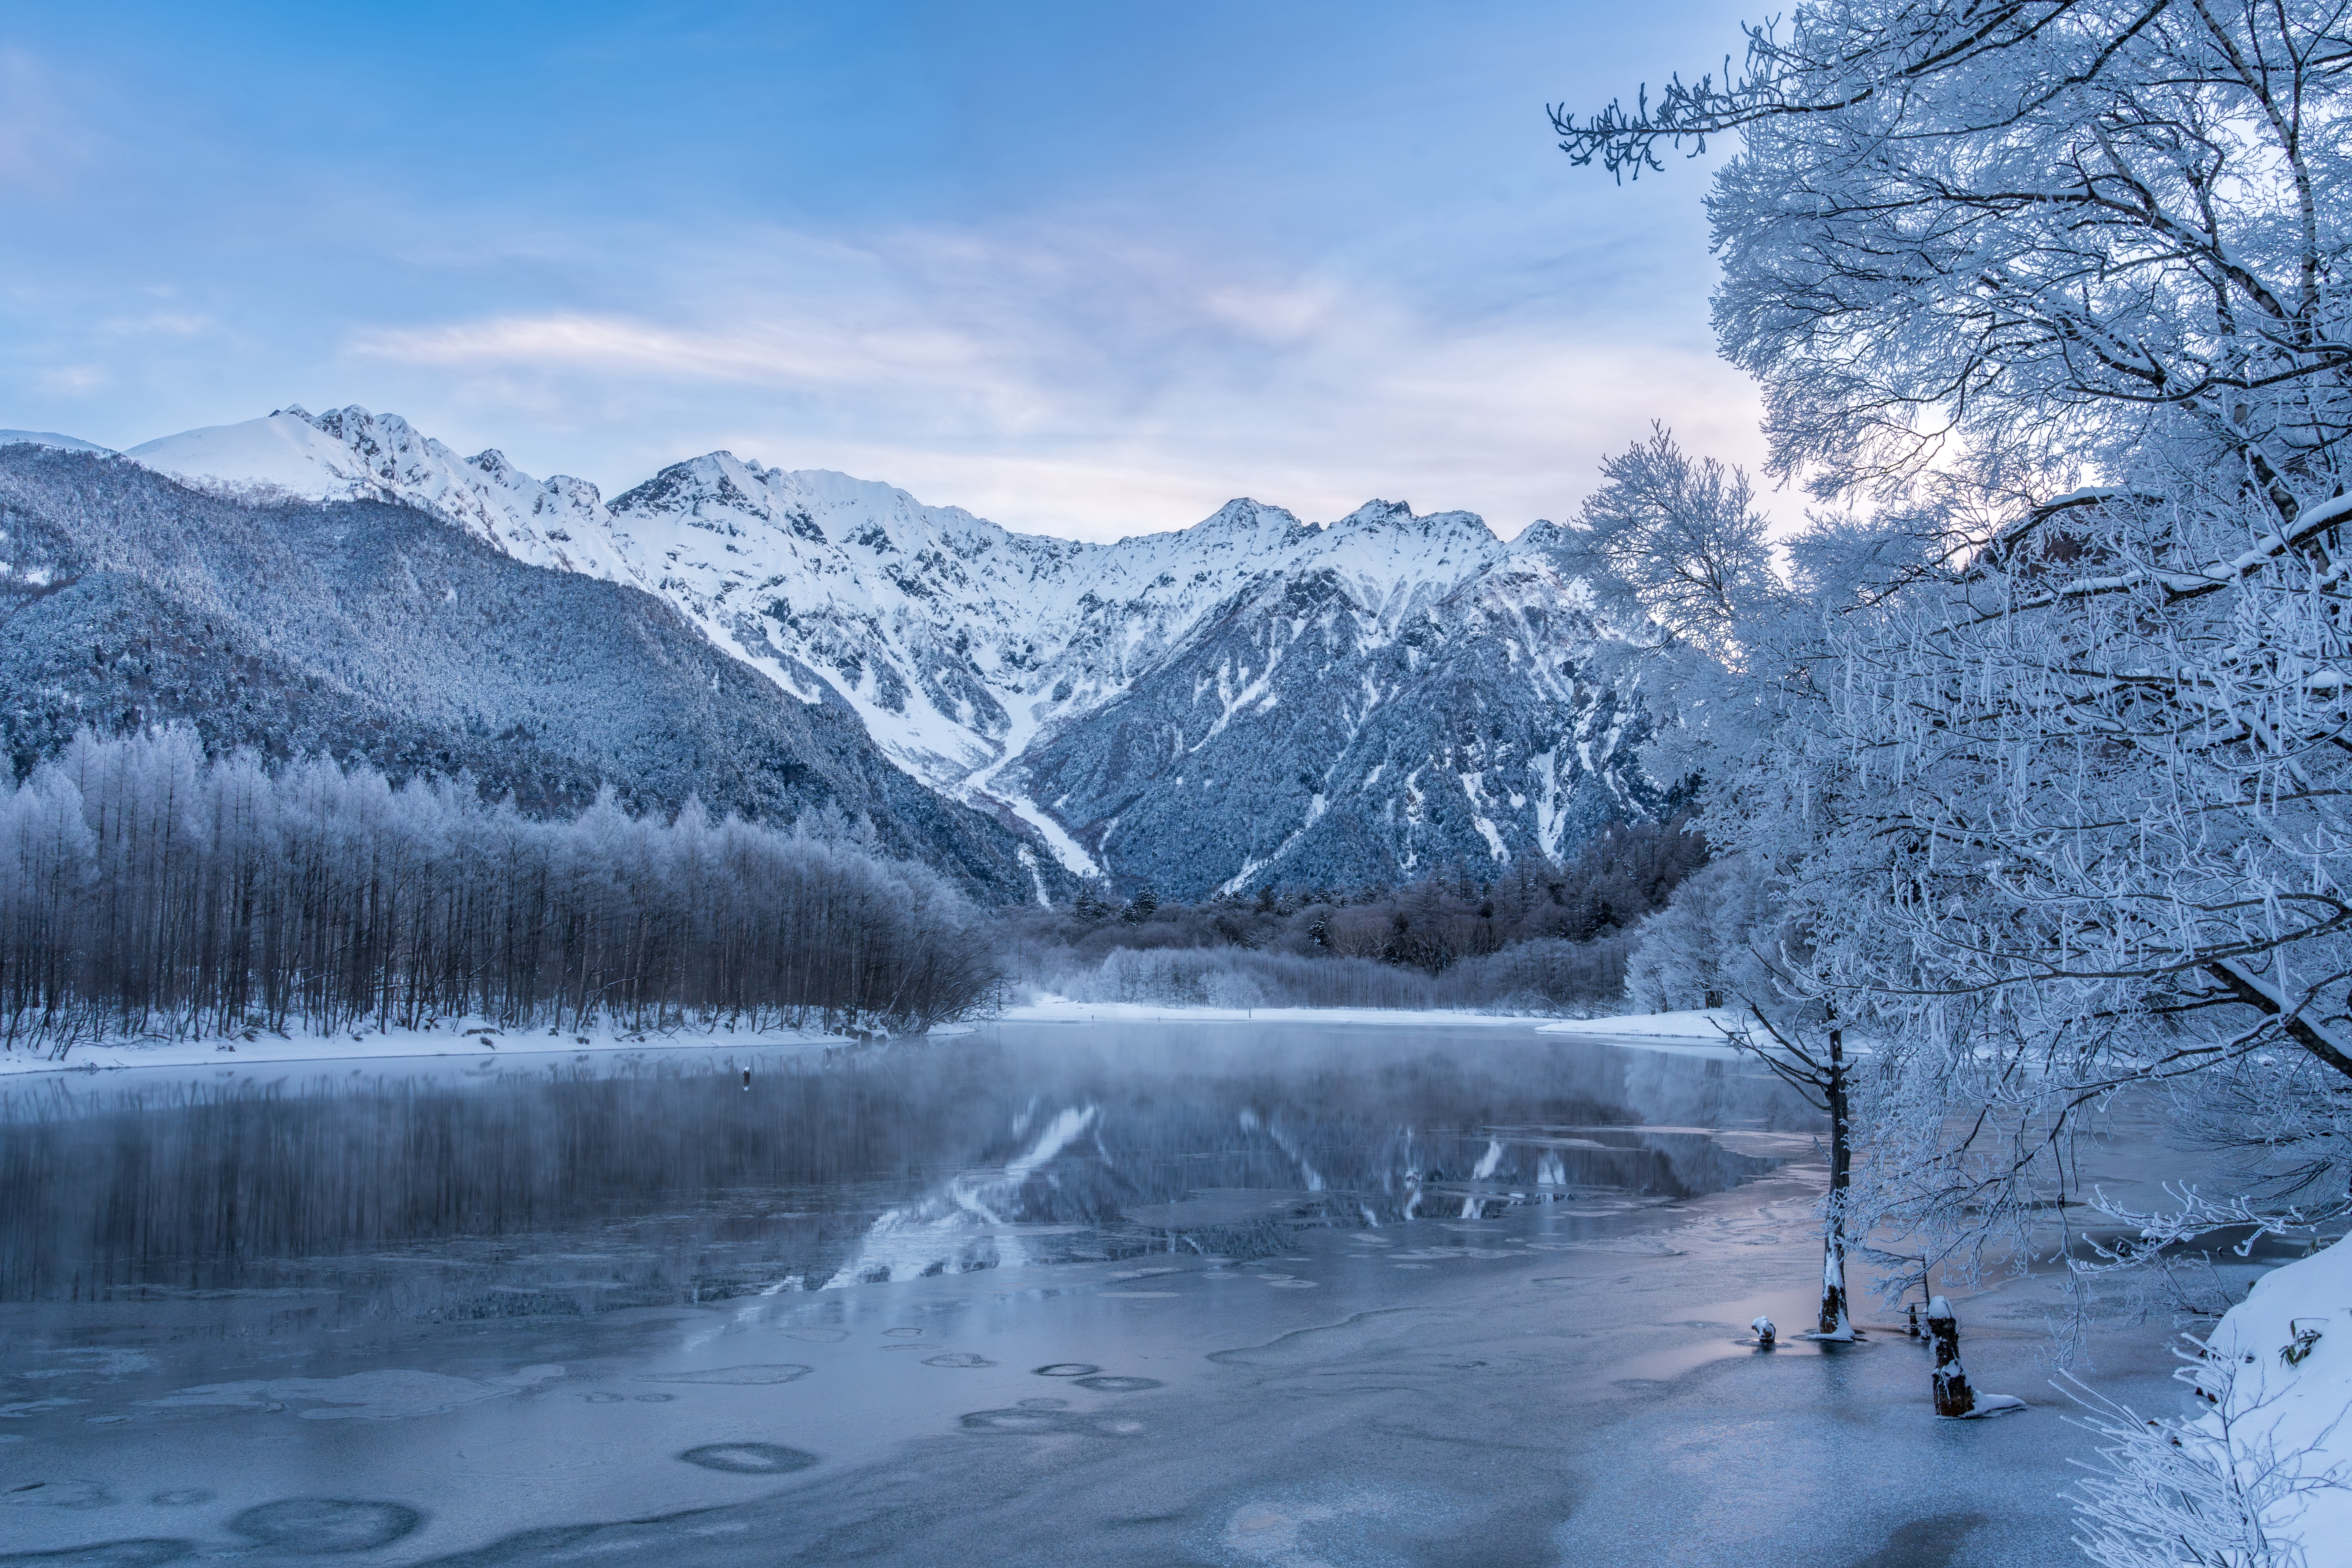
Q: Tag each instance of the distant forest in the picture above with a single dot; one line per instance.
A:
(145, 890)
(1535, 935)
(148, 890)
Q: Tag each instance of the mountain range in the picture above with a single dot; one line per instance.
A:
(1253, 699)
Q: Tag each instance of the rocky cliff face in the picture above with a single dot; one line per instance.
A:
(1251, 699)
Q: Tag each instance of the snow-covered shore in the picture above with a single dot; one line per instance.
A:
(481, 1038)
(1047, 1008)
(472, 1038)
(1708, 1026)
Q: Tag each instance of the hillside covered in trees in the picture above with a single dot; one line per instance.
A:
(1534, 934)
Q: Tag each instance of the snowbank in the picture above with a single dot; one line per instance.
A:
(1704, 1026)
(2289, 1398)
(454, 1038)
(1051, 1009)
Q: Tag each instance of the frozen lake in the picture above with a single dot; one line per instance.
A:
(1149, 1294)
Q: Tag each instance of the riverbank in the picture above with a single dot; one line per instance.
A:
(475, 1037)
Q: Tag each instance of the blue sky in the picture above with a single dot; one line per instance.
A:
(1087, 270)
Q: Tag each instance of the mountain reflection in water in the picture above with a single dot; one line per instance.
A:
(578, 1185)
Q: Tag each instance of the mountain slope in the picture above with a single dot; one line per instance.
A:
(1030, 676)
(1303, 735)
(361, 630)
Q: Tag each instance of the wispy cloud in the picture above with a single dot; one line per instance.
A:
(1086, 382)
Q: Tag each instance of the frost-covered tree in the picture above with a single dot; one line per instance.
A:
(2058, 285)
(1675, 539)
(2011, 238)
(1703, 942)
(1723, 936)
(144, 887)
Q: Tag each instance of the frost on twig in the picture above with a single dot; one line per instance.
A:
(2206, 1490)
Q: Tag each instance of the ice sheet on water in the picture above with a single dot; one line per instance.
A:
(387, 1395)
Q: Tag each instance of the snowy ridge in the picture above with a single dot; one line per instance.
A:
(966, 648)
(48, 439)
(349, 454)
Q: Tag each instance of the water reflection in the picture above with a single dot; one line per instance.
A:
(576, 1185)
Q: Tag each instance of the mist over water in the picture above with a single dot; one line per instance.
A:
(563, 1184)
(868, 1304)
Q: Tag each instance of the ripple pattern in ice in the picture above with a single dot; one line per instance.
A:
(320, 1526)
(749, 1459)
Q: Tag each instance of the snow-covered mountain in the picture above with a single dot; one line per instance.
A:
(1251, 699)
(380, 634)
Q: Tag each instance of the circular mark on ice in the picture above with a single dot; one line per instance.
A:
(1068, 1369)
(749, 1459)
(903, 1334)
(325, 1524)
(656, 1398)
(817, 1336)
(603, 1398)
(735, 1376)
(1118, 1384)
(106, 1554)
(180, 1497)
(958, 1357)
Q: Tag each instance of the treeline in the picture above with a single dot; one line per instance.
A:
(1534, 933)
(145, 890)
(1539, 976)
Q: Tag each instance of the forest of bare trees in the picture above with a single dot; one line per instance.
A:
(145, 890)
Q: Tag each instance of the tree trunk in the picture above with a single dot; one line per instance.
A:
(1836, 1321)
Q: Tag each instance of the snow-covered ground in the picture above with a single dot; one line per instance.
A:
(1052, 1009)
(1706, 1033)
(453, 1037)
(482, 1037)
(1708, 1026)
(2288, 1402)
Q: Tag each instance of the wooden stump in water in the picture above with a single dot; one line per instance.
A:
(1953, 1396)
